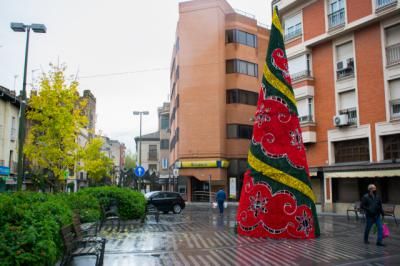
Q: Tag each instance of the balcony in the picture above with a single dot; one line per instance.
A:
(336, 19)
(352, 115)
(294, 33)
(395, 109)
(382, 4)
(345, 69)
(306, 119)
(393, 54)
(300, 75)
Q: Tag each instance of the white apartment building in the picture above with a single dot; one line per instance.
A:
(9, 113)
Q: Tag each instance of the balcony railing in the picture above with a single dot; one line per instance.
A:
(336, 18)
(293, 34)
(306, 119)
(379, 4)
(395, 109)
(352, 115)
(299, 75)
(393, 54)
(13, 135)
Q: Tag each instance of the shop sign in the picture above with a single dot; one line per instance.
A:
(204, 164)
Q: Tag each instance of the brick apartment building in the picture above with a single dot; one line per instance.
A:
(344, 59)
(216, 69)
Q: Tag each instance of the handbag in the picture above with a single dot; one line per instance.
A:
(225, 204)
(214, 205)
(385, 231)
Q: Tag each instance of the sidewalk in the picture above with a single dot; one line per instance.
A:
(199, 236)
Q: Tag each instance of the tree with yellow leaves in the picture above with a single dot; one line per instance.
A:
(56, 116)
(95, 162)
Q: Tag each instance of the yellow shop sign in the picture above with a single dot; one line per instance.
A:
(204, 164)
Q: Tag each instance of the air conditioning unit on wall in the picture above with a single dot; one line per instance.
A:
(341, 120)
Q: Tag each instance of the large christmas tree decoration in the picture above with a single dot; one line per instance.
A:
(277, 200)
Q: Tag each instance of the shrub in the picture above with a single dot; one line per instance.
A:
(30, 222)
(30, 228)
(131, 204)
(87, 206)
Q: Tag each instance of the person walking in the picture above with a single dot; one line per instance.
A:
(221, 197)
(372, 206)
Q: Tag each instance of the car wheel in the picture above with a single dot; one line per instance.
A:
(177, 208)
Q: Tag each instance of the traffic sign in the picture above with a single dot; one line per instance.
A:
(139, 171)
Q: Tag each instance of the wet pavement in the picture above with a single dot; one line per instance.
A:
(199, 236)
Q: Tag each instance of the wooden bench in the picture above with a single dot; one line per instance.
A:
(73, 247)
(388, 210)
(356, 208)
(110, 214)
(87, 236)
(152, 210)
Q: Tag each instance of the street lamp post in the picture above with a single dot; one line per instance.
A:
(21, 27)
(140, 113)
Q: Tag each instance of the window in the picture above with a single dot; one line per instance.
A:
(391, 147)
(392, 45)
(394, 90)
(347, 105)
(344, 60)
(304, 108)
(240, 66)
(153, 152)
(164, 144)
(239, 131)
(355, 150)
(293, 27)
(13, 134)
(174, 139)
(152, 167)
(299, 67)
(336, 15)
(385, 3)
(177, 73)
(242, 37)
(164, 122)
(164, 163)
(241, 96)
(177, 44)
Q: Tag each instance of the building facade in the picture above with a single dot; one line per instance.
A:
(9, 121)
(344, 60)
(114, 150)
(216, 69)
(166, 179)
(148, 151)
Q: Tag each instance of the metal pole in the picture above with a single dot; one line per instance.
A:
(140, 148)
(209, 186)
(21, 132)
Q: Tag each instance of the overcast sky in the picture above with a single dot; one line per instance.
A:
(97, 38)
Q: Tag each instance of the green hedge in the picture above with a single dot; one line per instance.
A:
(131, 204)
(30, 222)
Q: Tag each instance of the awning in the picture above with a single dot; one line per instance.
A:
(361, 174)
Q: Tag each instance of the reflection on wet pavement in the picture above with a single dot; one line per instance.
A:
(199, 236)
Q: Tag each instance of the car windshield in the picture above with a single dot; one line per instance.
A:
(149, 194)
